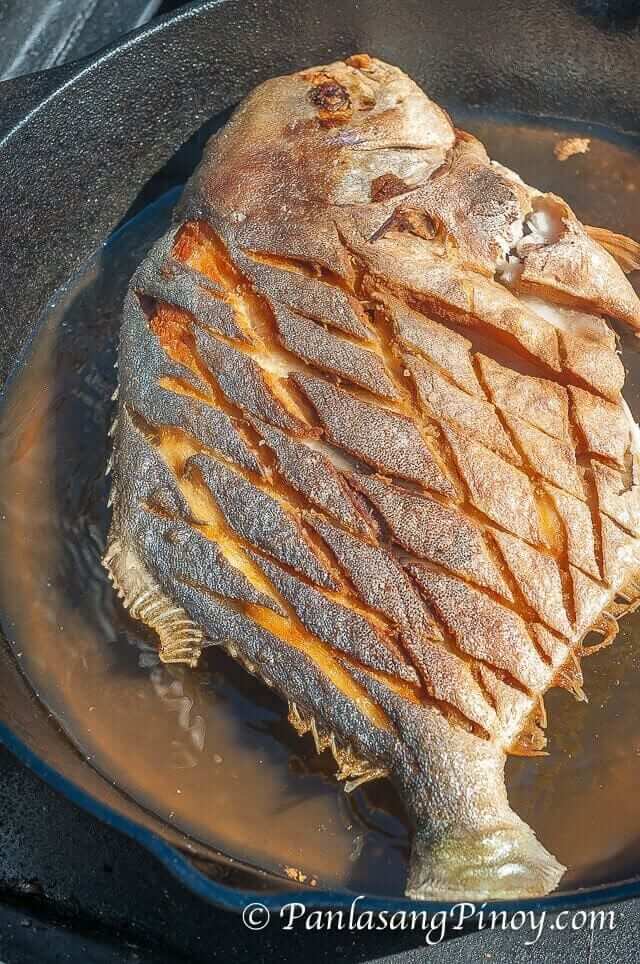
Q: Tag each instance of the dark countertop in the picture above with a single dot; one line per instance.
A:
(72, 889)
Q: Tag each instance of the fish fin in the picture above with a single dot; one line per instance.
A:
(352, 769)
(373, 773)
(570, 677)
(180, 639)
(483, 864)
(605, 626)
(625, 250)
(627, 598)
(532, 740)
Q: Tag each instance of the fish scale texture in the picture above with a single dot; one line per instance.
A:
(417, 486)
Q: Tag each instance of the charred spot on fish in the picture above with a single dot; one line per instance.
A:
(386, 186)
(330, 96)
(331, 100)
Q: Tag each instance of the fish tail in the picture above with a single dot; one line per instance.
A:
(479, 864)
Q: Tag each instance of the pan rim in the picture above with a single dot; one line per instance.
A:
(235, 899)
(227, 897)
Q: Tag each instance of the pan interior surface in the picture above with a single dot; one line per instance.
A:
(209, 752)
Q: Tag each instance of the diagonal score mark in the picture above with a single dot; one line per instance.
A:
(201, 248)
(290, 630)
(175, 448)
(386, 351)
(229, 275)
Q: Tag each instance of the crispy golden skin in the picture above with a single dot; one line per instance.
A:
(370, 438)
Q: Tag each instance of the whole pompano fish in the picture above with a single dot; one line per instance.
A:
(370, 438)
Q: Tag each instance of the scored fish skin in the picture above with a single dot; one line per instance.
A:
(370, 438)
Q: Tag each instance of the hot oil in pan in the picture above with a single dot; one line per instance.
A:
(210, 750)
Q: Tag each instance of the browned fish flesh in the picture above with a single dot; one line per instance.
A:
(370, 438)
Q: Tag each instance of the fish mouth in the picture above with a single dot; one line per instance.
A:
(504, 863)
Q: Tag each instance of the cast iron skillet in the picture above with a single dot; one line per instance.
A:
(80, 143)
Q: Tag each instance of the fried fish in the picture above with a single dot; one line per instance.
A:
(370, 438)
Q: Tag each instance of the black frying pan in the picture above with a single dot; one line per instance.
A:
(81, 149)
